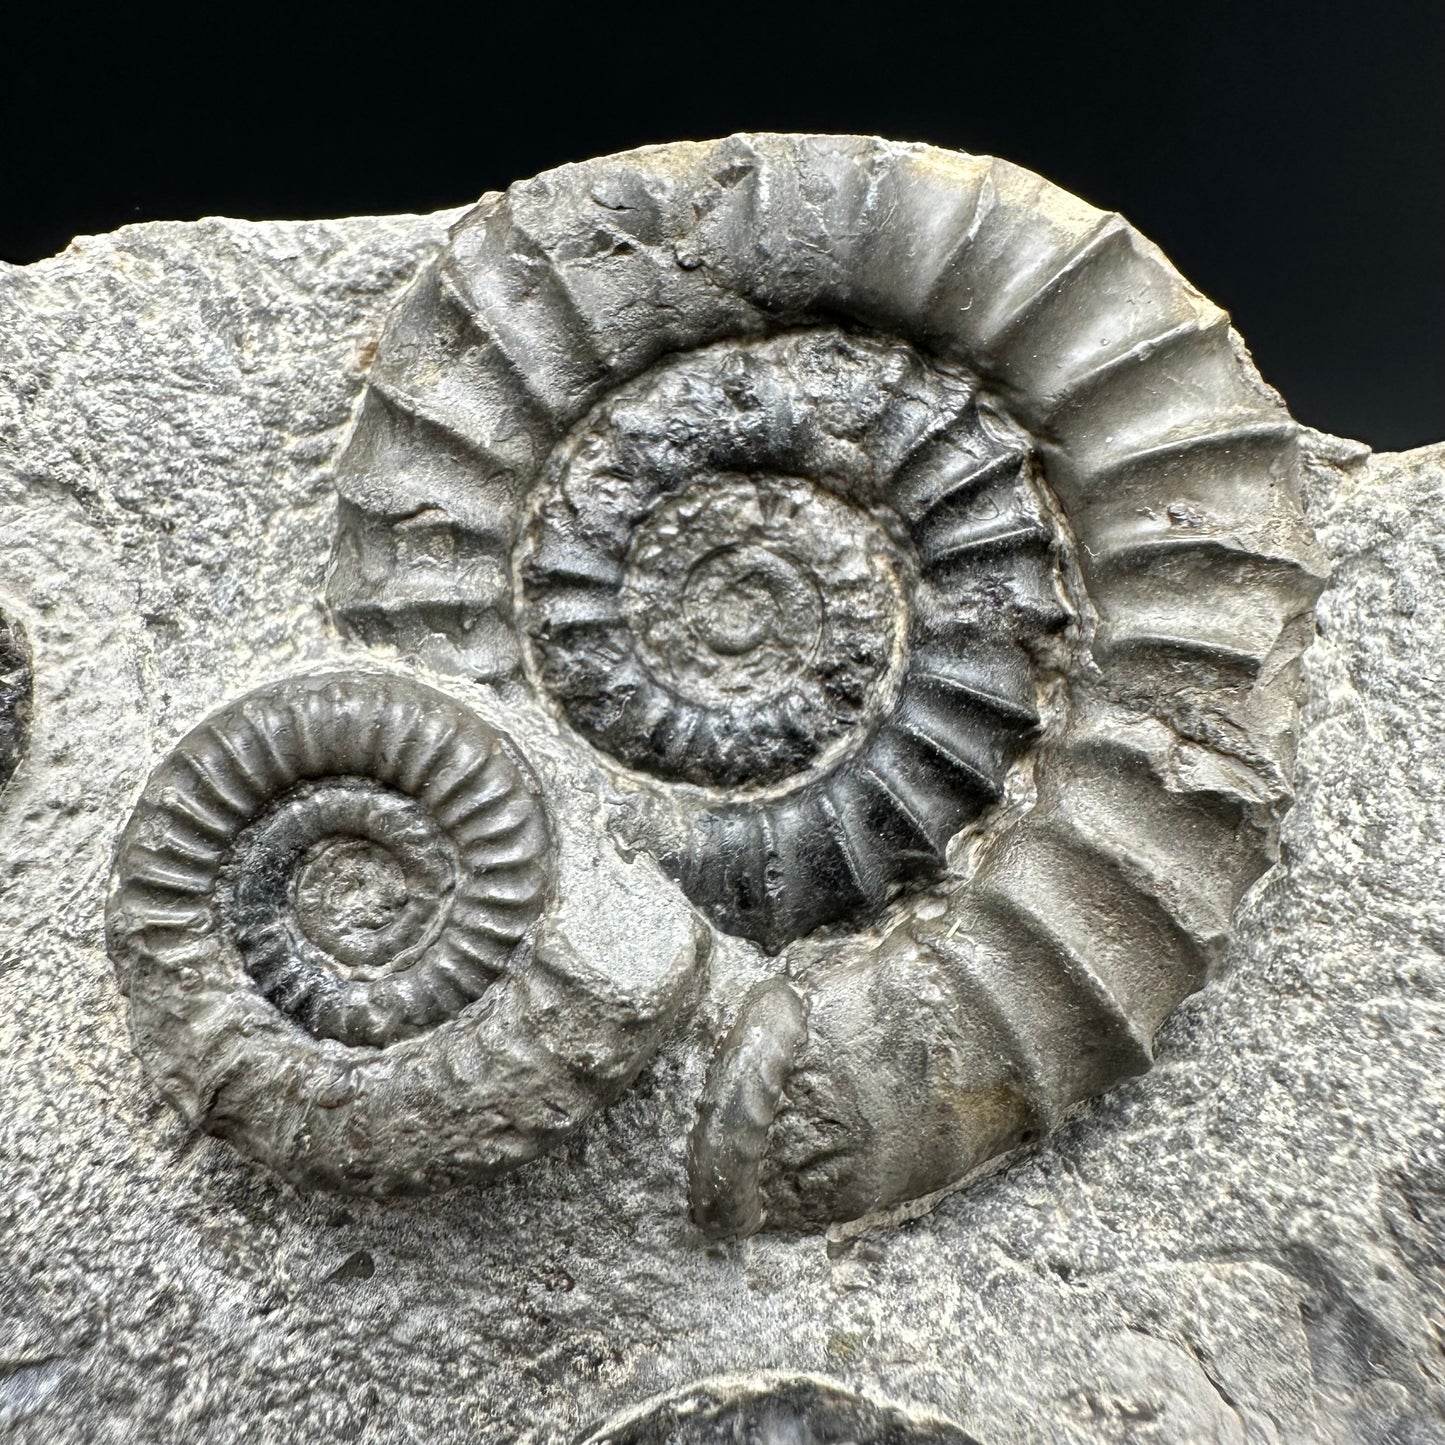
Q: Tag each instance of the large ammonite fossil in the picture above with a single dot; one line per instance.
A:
(328, 910)
(774, 1409)
(924, 560)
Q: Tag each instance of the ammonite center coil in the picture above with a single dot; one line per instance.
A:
(374, 853)
(801, 574)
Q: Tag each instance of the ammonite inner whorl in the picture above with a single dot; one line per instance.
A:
(805, 567)
(373, 852)
(841, 496)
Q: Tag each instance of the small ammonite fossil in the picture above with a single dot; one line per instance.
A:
(16, 696)
(774, 1409)
(922, 561)
(326, 909)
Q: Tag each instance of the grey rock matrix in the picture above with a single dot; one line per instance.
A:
(1242, 1245)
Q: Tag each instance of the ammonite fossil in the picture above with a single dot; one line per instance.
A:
(923, 560)
(327, 910)
(775, 1410)
(16, 696)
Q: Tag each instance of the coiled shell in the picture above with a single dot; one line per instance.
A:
(325, 909)
(804, 567)
(774, 1409)
(374, 852)
(625, 436)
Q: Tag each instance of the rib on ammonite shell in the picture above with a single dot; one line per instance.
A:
(924, 558)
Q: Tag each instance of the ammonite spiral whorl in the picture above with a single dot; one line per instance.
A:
(373, 853)
(923, 560)
(805, 566)
(327, 909)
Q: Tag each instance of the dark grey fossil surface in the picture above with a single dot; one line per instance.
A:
(1244, 1244)
(15, 697)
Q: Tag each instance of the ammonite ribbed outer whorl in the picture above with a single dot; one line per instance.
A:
(328, 910)
(923, 560)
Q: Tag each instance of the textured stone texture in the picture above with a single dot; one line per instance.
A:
(1248, 1244)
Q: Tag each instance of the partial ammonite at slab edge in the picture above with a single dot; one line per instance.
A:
(775, 1409)
(924, 559)
(333, 912)
(17, 688)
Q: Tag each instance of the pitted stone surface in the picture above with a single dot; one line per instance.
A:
(1247, 1244)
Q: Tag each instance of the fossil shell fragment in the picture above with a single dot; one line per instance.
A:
(925, 558)
(16, 697)
(775, 1410)
(328, 911)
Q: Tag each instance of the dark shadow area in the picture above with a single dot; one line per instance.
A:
(1289, 159)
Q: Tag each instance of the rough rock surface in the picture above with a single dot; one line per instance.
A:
(1247, 1244)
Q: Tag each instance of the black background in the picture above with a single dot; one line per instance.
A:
(1289, 158)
